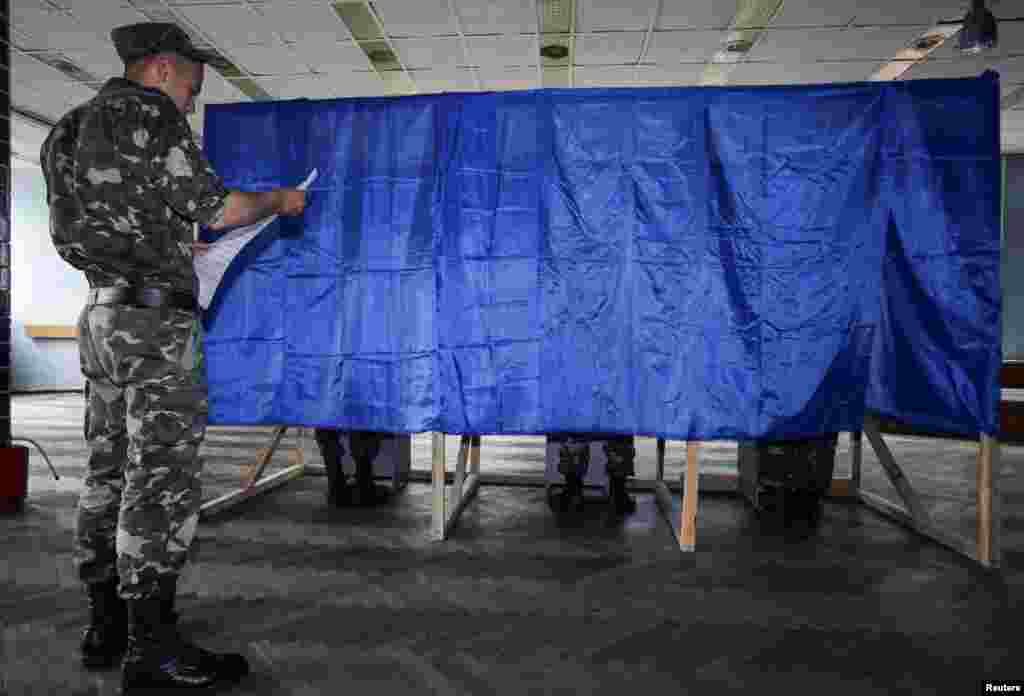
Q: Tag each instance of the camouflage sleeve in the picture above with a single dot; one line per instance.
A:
(186, 179)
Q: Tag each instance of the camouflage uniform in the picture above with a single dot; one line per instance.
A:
(574, 453)
(125, 181)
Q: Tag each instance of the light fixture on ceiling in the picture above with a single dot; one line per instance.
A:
(381, 55)
(979, 30)
(554, 51)
(741, 45)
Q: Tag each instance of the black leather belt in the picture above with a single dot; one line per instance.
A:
(143, 296)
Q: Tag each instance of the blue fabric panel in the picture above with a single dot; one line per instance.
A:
(938, 354)
(687, 263)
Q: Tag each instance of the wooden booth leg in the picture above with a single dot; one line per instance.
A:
(983, 550)
(437, 480)
(464, 486)
(683, 525)
(254, 485)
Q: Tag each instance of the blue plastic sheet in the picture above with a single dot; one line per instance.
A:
(689, 263)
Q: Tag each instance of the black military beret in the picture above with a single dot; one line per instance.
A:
(135, 41)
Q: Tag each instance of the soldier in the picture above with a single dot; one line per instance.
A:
(365, 445)
(574, 460)
(125, 183)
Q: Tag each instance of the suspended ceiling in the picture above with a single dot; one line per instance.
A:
(283, 49)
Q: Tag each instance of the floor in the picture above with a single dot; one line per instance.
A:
(326, 601)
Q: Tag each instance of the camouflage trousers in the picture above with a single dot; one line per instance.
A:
(365, 444)
(574, 454)
(145, 417)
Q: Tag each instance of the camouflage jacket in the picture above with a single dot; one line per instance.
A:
(125, 180)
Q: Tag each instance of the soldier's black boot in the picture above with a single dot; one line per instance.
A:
(106, 638)
(229, 666)
(622, 502)
(571, 499)
(158, 659)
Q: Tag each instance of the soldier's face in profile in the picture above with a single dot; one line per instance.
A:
(184, 83)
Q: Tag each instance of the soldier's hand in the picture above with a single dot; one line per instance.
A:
(200, 248)
(293, 202)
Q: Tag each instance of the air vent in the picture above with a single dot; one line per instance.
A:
(61, 63)
(739, 46)
(555, 51)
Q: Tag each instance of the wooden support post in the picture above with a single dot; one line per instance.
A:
(856, 459)
(895, 473)
(265, 455)
(466, 494)
(660, 472)
(988, 502)
(663, 497)
(460, 470)
(688, 515)
(474, 455)
(437, 479)
(229, 500)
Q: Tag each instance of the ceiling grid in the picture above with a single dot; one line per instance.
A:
(288, 48)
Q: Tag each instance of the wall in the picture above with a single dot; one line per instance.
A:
(44, 290)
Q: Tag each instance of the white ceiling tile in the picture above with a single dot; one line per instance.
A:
(303, 21)
(497, 51)
(217, 90)
(682, 46)
(933, 68)
(326, 57)
(357, 84)
(805, 45)
(46, 27)
(597, 49)
(601, 15)
(270, 59)
(815, 13)
(435, 81)
(669, 75)
(429, 53)
(496, 16)
(420, 18)
(524, 78)
(230, 26)
(100, 60)
(301, 88)
(27, 69)
(605, 76)
(46, 102)
(800, 73)
(697, 14)
(100, 16)
(881, 12)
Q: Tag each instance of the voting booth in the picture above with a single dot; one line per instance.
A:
(688, 264)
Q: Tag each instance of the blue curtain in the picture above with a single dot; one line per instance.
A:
(699, 263)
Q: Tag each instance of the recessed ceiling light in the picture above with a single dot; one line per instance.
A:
(381, 55)
(554, 51)
(739, 46)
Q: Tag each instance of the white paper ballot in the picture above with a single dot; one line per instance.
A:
(210, 267)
